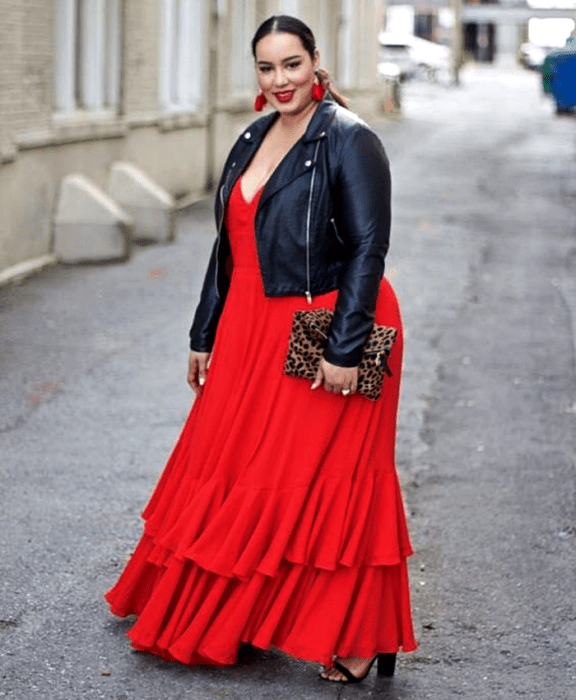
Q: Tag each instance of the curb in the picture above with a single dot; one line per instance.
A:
(16, 273)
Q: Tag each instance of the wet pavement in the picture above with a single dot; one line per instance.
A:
(483, 257)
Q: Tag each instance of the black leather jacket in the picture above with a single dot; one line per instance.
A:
(322, 223)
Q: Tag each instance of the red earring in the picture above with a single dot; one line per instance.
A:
(260, 102)
(318, 92)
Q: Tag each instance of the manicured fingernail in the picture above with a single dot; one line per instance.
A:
(202, 381)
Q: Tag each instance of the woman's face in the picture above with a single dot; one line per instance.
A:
(285, 72)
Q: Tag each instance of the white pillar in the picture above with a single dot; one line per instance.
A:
(345, 49)
(323, 35)
(187, 38)
(65, 31)
(93, 32)
(113, 54)
(291, 7)
(166, 51)
(193, 57)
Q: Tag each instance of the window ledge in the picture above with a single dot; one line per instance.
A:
(138, 120)
(171, 121)
(84, 116)
(73, 127)
(8, 152)
(236, 105)
(78, 127)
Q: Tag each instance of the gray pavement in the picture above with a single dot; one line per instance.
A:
(92, 370)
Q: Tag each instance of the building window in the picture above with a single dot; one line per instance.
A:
(182, 57)
(243, 26)
(88, 36)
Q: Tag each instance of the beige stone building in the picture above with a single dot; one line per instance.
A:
(165, 85)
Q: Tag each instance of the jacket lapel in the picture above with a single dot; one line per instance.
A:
(250, 141)
(300, 158)
(298, 161)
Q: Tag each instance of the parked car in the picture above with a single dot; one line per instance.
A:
(413, 56)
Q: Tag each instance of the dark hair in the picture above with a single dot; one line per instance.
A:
(279, 24)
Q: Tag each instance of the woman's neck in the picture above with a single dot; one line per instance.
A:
(297, 123)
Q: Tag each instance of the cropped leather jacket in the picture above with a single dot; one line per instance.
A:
(322, 223)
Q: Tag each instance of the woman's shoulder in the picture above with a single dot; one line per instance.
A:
(348, 119)
(348, 130)
(340, 116)
(346, 127)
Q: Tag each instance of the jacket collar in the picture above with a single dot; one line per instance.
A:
(321, 119)
(316, 128)
(296, 162)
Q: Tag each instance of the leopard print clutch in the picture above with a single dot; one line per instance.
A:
(306, 346)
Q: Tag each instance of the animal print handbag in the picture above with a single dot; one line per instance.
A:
(306, 346)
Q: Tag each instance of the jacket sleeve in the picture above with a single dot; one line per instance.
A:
(361, 196)
(208, 311)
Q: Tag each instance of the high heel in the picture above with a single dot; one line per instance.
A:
(386, 665)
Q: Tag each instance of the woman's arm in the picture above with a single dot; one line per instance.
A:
(361, 196)
(209, 309)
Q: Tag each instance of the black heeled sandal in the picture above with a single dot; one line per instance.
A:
(385, 667)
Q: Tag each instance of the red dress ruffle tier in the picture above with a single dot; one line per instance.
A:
(278, 520)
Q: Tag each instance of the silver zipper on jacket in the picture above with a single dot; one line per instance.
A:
(308, 292)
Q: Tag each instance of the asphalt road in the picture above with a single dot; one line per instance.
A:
(92, 370)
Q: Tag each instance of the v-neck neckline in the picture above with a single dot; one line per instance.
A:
(255, 195)
(301, 138)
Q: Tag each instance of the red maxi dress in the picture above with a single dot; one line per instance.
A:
(278, 520)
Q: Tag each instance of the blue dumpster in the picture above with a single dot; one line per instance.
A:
(559, 76)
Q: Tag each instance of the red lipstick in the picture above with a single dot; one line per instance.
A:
(284, 96)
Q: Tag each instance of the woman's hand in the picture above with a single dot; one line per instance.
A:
(197, 368)
(338, 380)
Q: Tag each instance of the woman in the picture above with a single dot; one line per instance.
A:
(278, 520)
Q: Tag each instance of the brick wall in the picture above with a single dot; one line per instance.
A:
(25, 65)
(141, 58)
